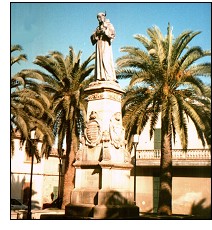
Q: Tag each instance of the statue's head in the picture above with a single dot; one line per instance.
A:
(101, 14)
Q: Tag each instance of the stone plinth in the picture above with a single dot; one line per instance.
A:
(115, 175)
(102, 181)
(102, 191)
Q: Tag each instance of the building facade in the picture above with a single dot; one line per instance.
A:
(191, 181)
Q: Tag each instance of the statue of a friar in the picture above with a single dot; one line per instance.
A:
(102, 37)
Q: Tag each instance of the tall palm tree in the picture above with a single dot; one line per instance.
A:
(165, 80)
(64, 79)
(29, 107)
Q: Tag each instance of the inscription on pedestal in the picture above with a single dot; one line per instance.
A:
(90, 178)
(104, 95)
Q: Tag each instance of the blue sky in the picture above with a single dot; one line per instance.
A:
(43, 27)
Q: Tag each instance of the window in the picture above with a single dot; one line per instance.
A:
(157, 139)
(55, 191)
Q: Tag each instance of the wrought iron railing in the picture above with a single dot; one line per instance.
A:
(198, 154)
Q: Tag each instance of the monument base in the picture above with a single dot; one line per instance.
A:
(79, 210)
(102, 204)
(115, 211)
(102, 211)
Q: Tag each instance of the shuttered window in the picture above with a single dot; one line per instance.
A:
(157, 139)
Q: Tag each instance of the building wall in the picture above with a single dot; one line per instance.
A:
(191, 189)
(44, 181)
(50, 179)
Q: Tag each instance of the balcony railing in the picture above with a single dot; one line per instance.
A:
(196, 157)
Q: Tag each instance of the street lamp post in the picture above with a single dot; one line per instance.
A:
(135, 143)
(32, 149)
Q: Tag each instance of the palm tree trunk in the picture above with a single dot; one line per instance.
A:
(71, 145)
(165, 192)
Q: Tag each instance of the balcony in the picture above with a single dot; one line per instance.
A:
(191, 157)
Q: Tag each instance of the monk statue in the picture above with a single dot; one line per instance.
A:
(102, 37)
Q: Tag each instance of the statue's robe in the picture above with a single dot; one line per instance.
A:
(104, 67)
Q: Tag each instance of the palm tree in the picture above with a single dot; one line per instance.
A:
(29, 107)
(22, 57)
(29, 110)
(64, 79)
(165, 80)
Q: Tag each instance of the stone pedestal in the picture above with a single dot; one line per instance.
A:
(104, 97)
(102, 182)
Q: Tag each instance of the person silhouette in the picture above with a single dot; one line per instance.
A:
(52, 196)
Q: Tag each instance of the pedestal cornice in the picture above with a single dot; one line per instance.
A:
(109, 164)
(79, 164)
(104, 90)
(103, 164)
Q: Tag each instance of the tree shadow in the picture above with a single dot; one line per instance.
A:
(200, 211)
(119, 207)
(15, 183)
(18, 184)
(34, 204)
(117, 199)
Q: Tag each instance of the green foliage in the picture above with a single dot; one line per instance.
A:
(21, 57)
(168, 68)
(30, 107)
(64, 80)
